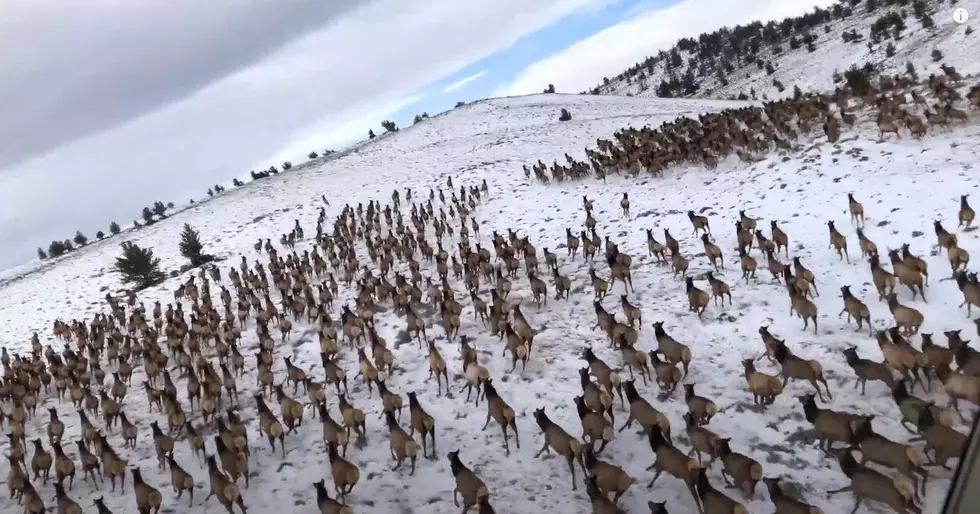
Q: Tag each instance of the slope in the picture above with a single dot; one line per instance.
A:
(488, 139)
(811, 68)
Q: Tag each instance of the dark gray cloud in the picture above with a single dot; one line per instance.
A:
(72, 68)
(109, 106)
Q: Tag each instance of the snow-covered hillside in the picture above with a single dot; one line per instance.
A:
(904, 185)
(815, 70)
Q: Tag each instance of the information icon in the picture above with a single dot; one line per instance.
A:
(960, 15)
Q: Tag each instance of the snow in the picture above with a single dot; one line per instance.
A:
(904, 184)
(815, 71)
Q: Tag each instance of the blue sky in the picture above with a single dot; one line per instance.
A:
(502, 67)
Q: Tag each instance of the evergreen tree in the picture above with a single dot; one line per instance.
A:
(910, 71)
(80, 238)
(858, 81)
(371, 134)
(138, 266)
(40, 253)
(191, 247)
(114, 228)
(100, 235)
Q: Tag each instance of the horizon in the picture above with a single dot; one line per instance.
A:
(179, 148)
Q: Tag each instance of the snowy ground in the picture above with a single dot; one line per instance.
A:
(904, 185)
(814, 71)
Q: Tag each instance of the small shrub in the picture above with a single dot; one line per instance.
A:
(160, 209)
(147, 215)
(770, 69)
(936, 55)
(389, 126)
(910, 71)
(858, 81)
(313, 155)
(100, 235)
(565, 115)
(969, 30)
(40, 253)
(237, 183)
(371, 134)
(287, 166)
(138, 266)
(210, 192)
(460, 103)
(889, 50)
(191, 247)
(80, 238)
(550, 88)
(57, 249)
(114, 228)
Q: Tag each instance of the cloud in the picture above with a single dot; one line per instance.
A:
(89, 66)
(116, 105)
(611, 51)
(324, 136)
(463, 82)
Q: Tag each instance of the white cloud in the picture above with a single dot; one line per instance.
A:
(616, 48)
(335, 137)
(463, 82)
(210, 128)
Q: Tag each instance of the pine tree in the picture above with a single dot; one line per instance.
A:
(114, 228)
(159, 208)
(138, 266)
(40, 253)
(100, 235)
(80, 238)
(191, 247)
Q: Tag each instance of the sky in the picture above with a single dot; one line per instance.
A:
(111, 106)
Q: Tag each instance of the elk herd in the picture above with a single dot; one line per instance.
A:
(217, 371)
